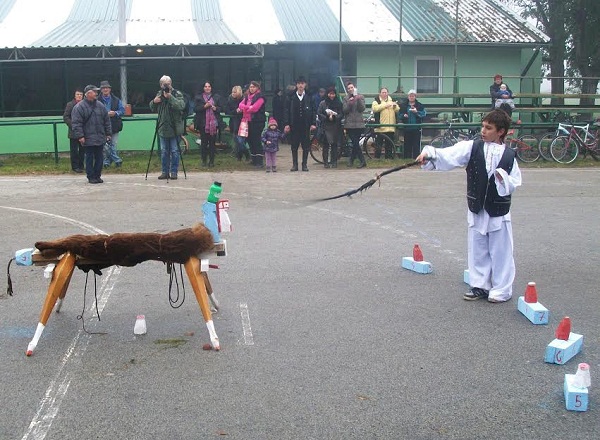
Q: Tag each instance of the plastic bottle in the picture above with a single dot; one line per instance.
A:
(531, 293)
(417, 254)
(140, 325)
(582, 377)
(209, 209)
(564, 329)
(214, 192)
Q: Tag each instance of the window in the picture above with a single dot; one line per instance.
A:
(428, 74)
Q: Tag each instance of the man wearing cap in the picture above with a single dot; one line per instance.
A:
(91, 126)
(300, 119)
(115, 113)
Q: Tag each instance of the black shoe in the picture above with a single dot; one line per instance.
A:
(362, 165)
(99, 180)
(327, 165)
(274, 169)
(476, 293)
(211, 165)
(163, 176)
(334, 165)
(118, 164)
(304, 168)
(94, 181)
(173, 176)
(294, 169)
(78, 170)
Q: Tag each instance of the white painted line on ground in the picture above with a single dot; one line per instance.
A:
(49, 406)
(248, 339)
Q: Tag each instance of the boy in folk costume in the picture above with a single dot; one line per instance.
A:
(492, 176)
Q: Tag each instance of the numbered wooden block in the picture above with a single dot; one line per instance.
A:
(535, 312)
(560, 351)
(576, 399)
(466, 277)
(416, 266)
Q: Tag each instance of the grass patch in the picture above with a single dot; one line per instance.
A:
(171, 343)
(136, 162)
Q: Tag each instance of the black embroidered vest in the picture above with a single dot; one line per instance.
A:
(481, 191)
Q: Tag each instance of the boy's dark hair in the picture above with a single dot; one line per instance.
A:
(499, 119)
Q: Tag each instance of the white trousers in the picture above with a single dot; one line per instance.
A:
(491, 262)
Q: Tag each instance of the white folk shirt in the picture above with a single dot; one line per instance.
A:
(458, 155)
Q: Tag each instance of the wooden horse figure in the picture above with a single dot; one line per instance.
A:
(95, 252)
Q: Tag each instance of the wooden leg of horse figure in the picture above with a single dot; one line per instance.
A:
(209, 290)
(192, 268)
(58, 288)
(61, 297)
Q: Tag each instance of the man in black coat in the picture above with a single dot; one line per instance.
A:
(300, 120)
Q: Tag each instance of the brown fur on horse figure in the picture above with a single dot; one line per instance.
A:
(129, 249)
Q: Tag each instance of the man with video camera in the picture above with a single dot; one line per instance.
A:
(170, 105)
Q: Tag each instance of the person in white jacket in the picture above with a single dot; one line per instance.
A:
(492, 176)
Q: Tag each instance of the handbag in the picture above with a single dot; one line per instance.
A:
(243, 130)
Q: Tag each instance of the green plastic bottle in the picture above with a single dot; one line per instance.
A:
(214, 192)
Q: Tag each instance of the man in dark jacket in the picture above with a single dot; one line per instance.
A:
(77, 151)
(91, 126)
(300, 119)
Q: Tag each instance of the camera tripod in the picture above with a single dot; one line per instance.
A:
(161, 109)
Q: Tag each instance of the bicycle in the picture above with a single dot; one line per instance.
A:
(451, 136)
(368, 142)
(546, 139)
(565, 149)
(526, 146)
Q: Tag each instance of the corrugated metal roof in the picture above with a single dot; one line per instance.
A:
(70, 23)
(209, 24)
(5, 7)
(319, 25)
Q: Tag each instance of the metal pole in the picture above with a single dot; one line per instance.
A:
(400, 49)
(340, 44)
(455, 86)
(2, 91)
(123, 41)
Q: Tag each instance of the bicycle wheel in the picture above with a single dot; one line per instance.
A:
(544, 145)
(564, 149)
(370, 142)
(528, 148)
(443, 141)
(367, 144)
(316, 149)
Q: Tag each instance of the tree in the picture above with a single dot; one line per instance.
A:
(551, 18)
(584, 53)
(574, 29)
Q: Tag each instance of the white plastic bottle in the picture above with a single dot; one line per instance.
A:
(140, 325)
